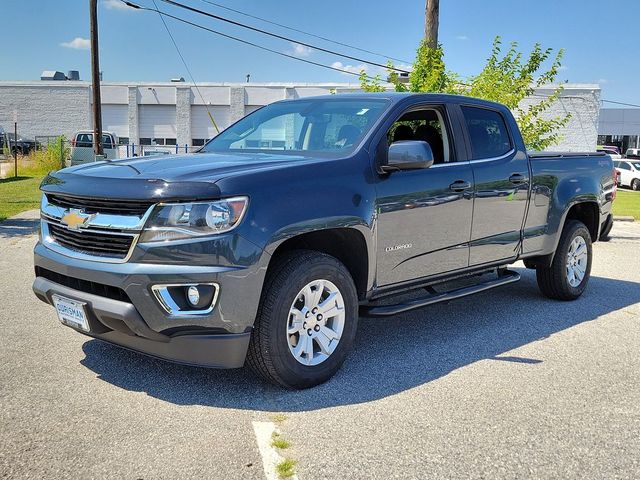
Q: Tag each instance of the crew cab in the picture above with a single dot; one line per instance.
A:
(267, 245)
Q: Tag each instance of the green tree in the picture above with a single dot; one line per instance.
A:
(507, 77)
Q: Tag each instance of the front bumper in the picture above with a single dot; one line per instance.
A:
(120, 323)
(136, 320)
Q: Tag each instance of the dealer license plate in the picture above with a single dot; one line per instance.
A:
(71, 312)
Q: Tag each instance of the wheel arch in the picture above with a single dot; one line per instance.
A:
(347, 244)
(585, 211)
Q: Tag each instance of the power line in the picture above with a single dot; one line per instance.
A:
(173, 40)
(622, 103)
(281, 37)
(303, 32)
(246, 42)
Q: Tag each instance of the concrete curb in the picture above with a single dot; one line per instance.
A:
(624, 218)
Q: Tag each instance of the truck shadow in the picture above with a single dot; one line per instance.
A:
(390, 355)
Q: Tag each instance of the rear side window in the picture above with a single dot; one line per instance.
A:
(84, 140)
(488, 133)
(625, 166)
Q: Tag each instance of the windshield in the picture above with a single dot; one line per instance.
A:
(636, 165)
(329, 127)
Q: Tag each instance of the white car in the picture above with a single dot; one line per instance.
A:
(632, 153)
(612, 152)
(629, 171)
(82, 147)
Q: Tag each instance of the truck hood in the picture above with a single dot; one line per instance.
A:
(191, 176)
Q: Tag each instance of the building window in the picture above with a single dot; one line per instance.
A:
(170, 141)
(145, 141)
(123, 141)
(198, 142)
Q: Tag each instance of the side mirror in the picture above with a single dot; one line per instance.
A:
(408, 155)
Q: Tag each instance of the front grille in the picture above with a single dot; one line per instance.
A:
(101, 244)
(94, 288)
(91, 205)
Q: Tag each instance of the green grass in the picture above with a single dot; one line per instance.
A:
(278, 418)
(627, 203)
(285, 468)
(18, 194)
(278, 442)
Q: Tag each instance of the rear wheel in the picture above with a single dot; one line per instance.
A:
(569, 273)
(306, 322)
(635, 184)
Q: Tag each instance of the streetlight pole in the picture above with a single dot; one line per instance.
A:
(95, 79)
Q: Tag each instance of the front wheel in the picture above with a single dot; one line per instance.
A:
(569, 273)
(306, 322)
(635, 185)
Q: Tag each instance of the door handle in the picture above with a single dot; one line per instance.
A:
(460, 186)
(517, 178)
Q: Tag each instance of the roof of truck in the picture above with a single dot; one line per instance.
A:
(399, 96)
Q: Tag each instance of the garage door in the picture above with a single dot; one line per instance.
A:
(201, 126)
(115, 119)
(157, 121)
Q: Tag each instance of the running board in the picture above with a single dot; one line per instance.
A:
(505, 277)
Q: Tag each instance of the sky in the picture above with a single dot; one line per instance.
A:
(600, 39)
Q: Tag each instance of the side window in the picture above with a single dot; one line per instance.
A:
(625, 166)
(487, 131)
(426, 125)
(107, 141)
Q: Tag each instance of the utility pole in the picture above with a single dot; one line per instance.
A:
(431, 21)
(95, 79)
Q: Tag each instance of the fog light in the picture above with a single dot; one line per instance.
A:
(193, 295)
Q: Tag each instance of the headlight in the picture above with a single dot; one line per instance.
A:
(187, 220)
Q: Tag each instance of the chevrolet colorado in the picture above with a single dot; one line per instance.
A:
(267, 244)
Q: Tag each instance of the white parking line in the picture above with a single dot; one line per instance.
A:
(270, 457)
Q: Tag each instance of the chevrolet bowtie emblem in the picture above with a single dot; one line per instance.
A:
(74, 219)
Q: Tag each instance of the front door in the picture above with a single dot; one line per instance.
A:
(424, 216)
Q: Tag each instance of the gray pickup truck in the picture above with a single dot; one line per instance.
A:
(268, 244)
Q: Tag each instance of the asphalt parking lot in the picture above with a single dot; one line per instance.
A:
(505, 384)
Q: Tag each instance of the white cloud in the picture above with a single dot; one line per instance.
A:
(351, 68)
(603, 81)
(77, 43)
(300, 50)
(115, 5)
(462, 37)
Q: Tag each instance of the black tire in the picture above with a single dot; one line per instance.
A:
(552, 281)
(606, 230)
(269, 355)
(635, 184)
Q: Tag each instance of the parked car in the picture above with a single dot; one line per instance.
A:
(21, 146)
(82, 147)
(246, 252)
(612, 151)
(632, 153)
(629, 171)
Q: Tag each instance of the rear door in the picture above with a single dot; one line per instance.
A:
(501, 175)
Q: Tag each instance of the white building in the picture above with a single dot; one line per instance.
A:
(176, 113)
